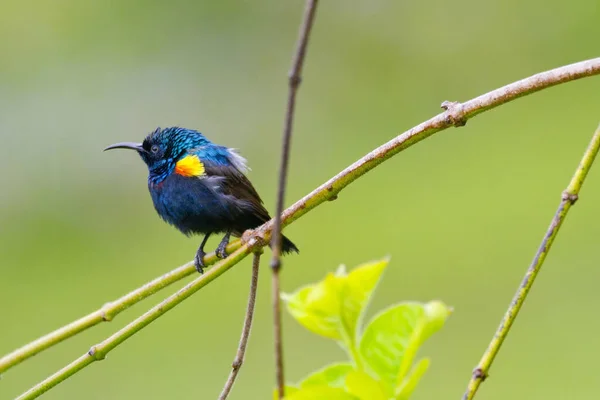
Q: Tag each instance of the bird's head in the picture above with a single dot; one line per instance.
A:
(163, 148)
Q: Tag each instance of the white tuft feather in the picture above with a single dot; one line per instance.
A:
(238, 161)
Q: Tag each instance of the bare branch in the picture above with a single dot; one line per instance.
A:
(568, 198)
(457, 114)
(295, 77)
(99, 351)
(241, 351)
(328, 191)
(105, 313)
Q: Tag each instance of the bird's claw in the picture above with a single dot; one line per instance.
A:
(221, 251)
(199, 261)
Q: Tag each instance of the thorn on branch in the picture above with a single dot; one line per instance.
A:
(455, 114)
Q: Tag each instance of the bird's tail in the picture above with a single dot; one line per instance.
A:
(287, 246)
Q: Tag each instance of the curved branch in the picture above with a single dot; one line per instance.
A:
(456, 114)
(568, 198)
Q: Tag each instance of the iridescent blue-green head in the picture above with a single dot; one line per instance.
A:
(163, 148)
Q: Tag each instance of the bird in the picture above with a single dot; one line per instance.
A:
(200, 187)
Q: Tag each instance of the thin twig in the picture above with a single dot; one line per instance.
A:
(568, 198)
(295, 77)
(277, 334)
(105, 313)
(241, 351)
(329, 191)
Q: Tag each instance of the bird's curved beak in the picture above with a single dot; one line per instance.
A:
(127, 145)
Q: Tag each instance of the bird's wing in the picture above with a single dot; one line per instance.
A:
(226, 169)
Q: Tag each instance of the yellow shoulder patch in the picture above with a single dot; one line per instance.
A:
(189, 165)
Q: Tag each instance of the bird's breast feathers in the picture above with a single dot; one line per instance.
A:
(190, 165)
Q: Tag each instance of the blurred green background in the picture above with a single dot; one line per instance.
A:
(461, 214)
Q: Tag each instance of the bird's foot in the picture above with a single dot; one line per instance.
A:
(221, 251)
(199, 261)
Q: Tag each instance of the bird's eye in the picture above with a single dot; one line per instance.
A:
(154, 149)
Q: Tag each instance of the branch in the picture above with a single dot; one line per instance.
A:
(569, 197)
(99, 351)
(329, 191)
(241, 351)
(295, 77)
(106, 313)
(456, 114)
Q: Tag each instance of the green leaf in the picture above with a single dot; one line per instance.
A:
(357, 289)
(436, 313)
(407, 387)
(363, 386)
(332, 307)
(287, 390)
(317, 307)
(391, 340)
(333, 375)
(320, 393)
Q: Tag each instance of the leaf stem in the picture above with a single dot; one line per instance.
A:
(355, 354)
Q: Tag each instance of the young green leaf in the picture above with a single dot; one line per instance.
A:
(363, 386)
(320, 393)
(332, 307)
(317, 307)
(393, 337)
(356, 293)
(333, 375)
(436, 313)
